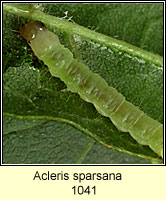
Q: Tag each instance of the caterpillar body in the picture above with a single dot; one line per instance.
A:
(92, 88)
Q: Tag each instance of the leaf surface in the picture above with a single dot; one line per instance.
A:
(30, 93)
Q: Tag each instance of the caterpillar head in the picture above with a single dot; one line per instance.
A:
(29, 30)
(39, 38)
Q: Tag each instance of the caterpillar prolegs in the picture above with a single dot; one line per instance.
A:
(92, 88)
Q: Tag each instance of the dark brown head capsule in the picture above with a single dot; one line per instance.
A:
(29, 30)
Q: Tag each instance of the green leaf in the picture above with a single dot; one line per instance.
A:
(37, 106)
(50, 142)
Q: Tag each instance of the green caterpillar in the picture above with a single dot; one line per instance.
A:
(92, 88)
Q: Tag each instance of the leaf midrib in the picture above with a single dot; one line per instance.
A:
(75, 29)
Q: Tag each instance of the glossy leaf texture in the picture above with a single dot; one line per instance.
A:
(36, 104)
